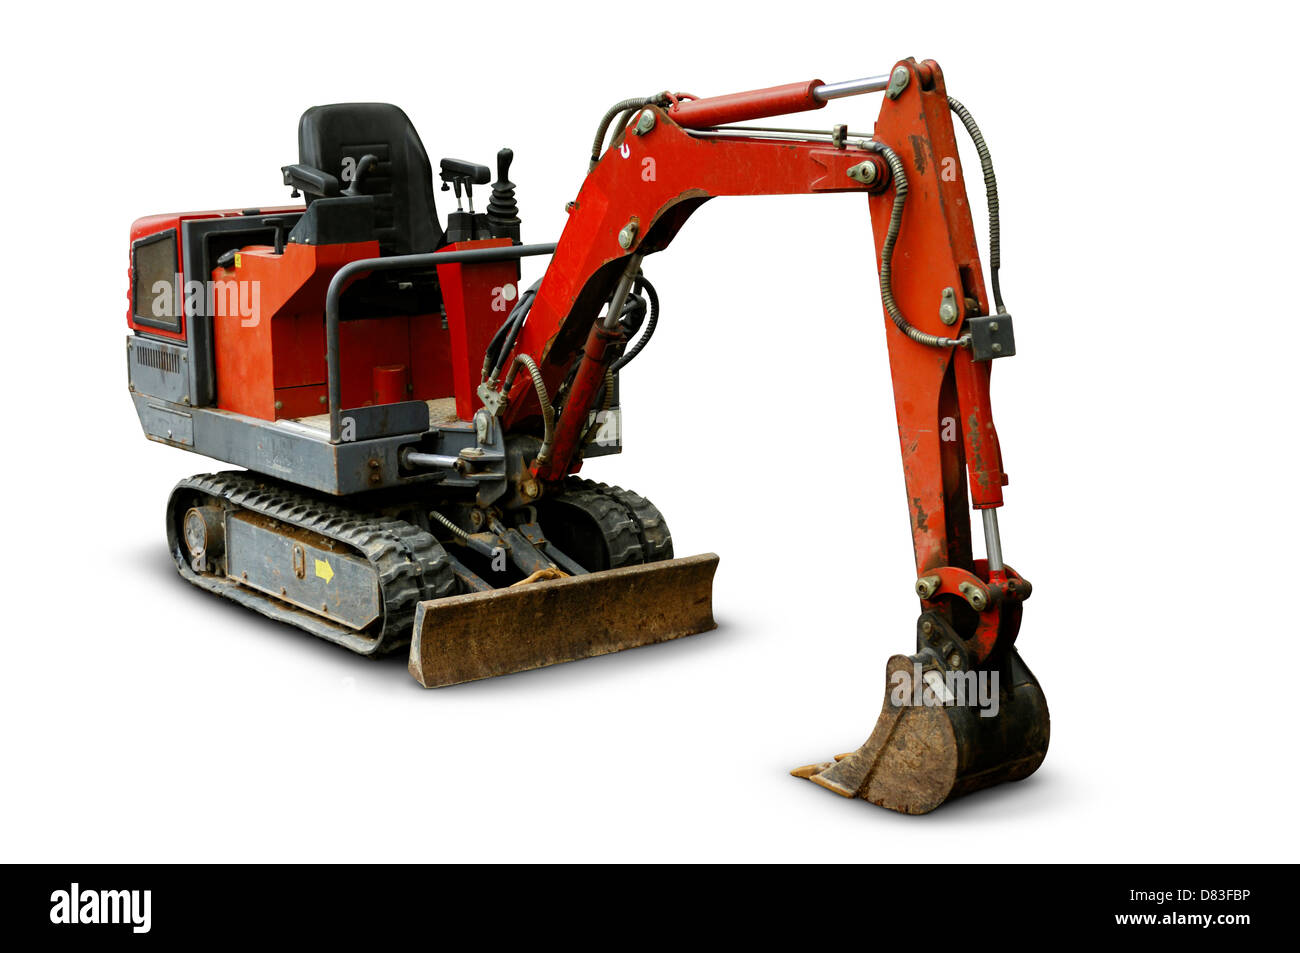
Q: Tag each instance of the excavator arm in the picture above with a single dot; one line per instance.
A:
(674, 153)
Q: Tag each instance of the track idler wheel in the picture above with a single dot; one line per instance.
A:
(943, 733)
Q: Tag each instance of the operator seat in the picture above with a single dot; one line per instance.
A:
(334, 138)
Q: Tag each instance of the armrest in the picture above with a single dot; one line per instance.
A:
(469, 172)
(303, 178)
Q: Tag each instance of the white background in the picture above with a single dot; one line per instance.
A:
(1146, 164)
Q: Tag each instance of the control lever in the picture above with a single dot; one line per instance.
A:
(457, 174)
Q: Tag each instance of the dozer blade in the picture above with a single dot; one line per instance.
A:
(481, 634)
(922, 755)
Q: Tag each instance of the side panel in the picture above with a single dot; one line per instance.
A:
(477, 298)
(158, 369)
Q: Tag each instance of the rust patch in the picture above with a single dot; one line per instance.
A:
(922, 518)
(919, 146)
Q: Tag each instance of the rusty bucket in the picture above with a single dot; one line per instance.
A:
(942, 733)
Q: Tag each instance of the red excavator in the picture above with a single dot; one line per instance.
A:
(411, 421)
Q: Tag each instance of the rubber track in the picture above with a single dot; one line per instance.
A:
(651, 529)
(409, 562)
(656, 541)
(617, 525)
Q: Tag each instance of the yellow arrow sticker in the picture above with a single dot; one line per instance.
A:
(238, 259)
(323, 570)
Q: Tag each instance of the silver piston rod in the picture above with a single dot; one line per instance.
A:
(852, 87)
(992, 539)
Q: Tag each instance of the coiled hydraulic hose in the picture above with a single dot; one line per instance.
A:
(627, 105)
(887, 254)
(543, 399)
(991, 192)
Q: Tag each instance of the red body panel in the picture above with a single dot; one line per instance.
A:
(278, 354)
(477, 298)
(273, 365)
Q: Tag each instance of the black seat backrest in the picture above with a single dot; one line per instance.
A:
(334, 138)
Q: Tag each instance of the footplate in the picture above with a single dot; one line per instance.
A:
(467, 637)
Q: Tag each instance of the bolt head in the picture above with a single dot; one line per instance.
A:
(954, 660)
(898, 81)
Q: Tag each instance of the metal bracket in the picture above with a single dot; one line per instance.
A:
(494, 401)
(644, 122)
(991, 336)
(898, 81)
(948, 312)
(864, 172)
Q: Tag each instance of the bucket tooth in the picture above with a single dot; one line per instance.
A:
(481, 634)
(921, 756)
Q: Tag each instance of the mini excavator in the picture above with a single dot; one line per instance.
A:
(410, 422)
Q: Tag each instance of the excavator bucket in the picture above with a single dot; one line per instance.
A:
(481, 634)
(931, 745)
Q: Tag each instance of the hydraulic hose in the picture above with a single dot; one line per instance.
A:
(991, 192)
(651, 321)
(504, 340)
(887, 254)
(605, 404)
(626, 105)
(543, 399)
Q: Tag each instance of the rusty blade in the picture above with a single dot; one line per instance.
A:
(481, 634)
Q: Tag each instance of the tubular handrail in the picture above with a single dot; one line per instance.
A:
(354, 269)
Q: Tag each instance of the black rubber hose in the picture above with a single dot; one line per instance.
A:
(503, 342)
(642, 284)
(494, 346)
(991, 194)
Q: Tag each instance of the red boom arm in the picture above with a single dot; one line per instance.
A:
(649, 182)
